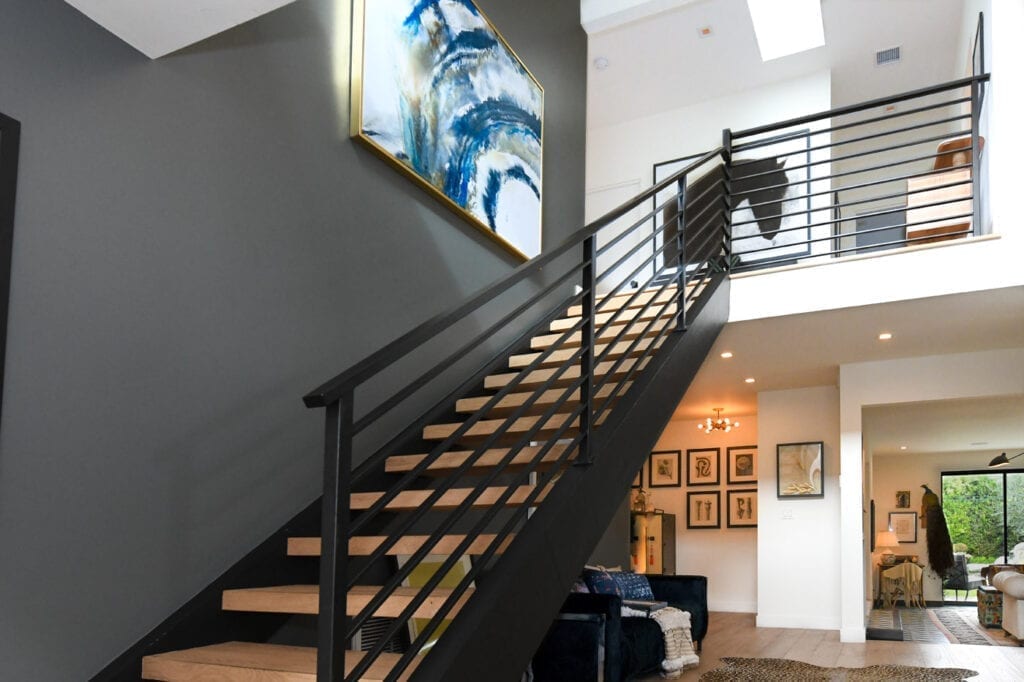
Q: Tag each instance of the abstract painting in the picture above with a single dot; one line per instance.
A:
(438, 92)
(801, 470)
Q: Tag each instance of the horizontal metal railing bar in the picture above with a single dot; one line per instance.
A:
(474, 570)
(330, 390)
(865, 138)
(745, 146)
(442, 571)
(368, 465)
(861, 106)
(833, 221)
(642, 243)
(833, 237)
(858, 155)
(477, 490)
(689, 202)
(459, 354)
(653, 214)
(467, 424)
(453, 515)
(630, 373)
(846, 204)
(862, 185)
(628, 206)
(844, 174)
(909, 241)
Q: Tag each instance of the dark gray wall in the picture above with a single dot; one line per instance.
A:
(197, 244)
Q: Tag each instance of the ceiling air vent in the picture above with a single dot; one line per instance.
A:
(888, 56)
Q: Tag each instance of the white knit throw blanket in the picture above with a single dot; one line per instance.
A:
(679, 653)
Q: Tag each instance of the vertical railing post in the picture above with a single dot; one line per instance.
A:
(330, 666)
(681, 282)
(586, 454)
(727, 198)
(976, 226)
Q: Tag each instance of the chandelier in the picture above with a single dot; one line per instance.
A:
(719, 423)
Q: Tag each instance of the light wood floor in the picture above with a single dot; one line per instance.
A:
(735, 634)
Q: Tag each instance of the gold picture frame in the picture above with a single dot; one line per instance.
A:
(462, 118)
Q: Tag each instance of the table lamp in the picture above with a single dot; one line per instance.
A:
(885, 542)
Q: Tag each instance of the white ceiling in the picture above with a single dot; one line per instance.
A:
(981, 424)
(158, 27)
(660, 62)
(798, 351)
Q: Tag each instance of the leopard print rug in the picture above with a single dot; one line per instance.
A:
(777, 669)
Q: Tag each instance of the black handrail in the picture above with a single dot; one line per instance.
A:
(333, 389)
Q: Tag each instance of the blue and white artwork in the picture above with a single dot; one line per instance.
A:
(442, 94)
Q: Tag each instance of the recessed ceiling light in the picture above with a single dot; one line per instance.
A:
(782, 32)
(749, 380)
(727, 354)
(903, 447)
(601, 63)
(885, 336)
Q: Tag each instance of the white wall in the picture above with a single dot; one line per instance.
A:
(727, 556)
(600, 15)
(629, 150)
(798, 567)
(937, 377)
(909, 472)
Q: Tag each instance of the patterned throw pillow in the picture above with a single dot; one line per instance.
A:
(600, 582)
(633, 586)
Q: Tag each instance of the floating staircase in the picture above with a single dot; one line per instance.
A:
(519, 468)
(252, 661)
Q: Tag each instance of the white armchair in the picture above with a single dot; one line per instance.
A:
(1011, 584)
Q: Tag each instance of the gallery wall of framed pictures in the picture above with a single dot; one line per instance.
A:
(708, 505)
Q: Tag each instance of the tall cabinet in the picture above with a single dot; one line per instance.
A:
(652, 542)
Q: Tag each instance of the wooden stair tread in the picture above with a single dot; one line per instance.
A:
(453, 459)
(365, 545)
(249, 662)
(539, 377)
(410, 500)
(513, 401)
(486, 427)
(621, 332)
(560, 356)
(626, 315)
(305, 599)
(622, 300)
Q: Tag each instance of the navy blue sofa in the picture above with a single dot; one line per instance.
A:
(571, 650)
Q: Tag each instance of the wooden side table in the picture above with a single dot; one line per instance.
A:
(990, 606)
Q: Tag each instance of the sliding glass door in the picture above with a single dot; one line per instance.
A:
(985, 514)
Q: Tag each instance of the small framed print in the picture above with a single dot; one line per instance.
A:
(741, 464)
(702, 466)
(903, 499)
(741, 508)
(904, 524)
(638, 480)
(703, 509)
(800, 470)
(664, 469)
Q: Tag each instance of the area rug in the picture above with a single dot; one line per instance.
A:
(959, 626)
(777, 669)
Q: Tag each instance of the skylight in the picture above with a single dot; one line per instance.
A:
(785, 27)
